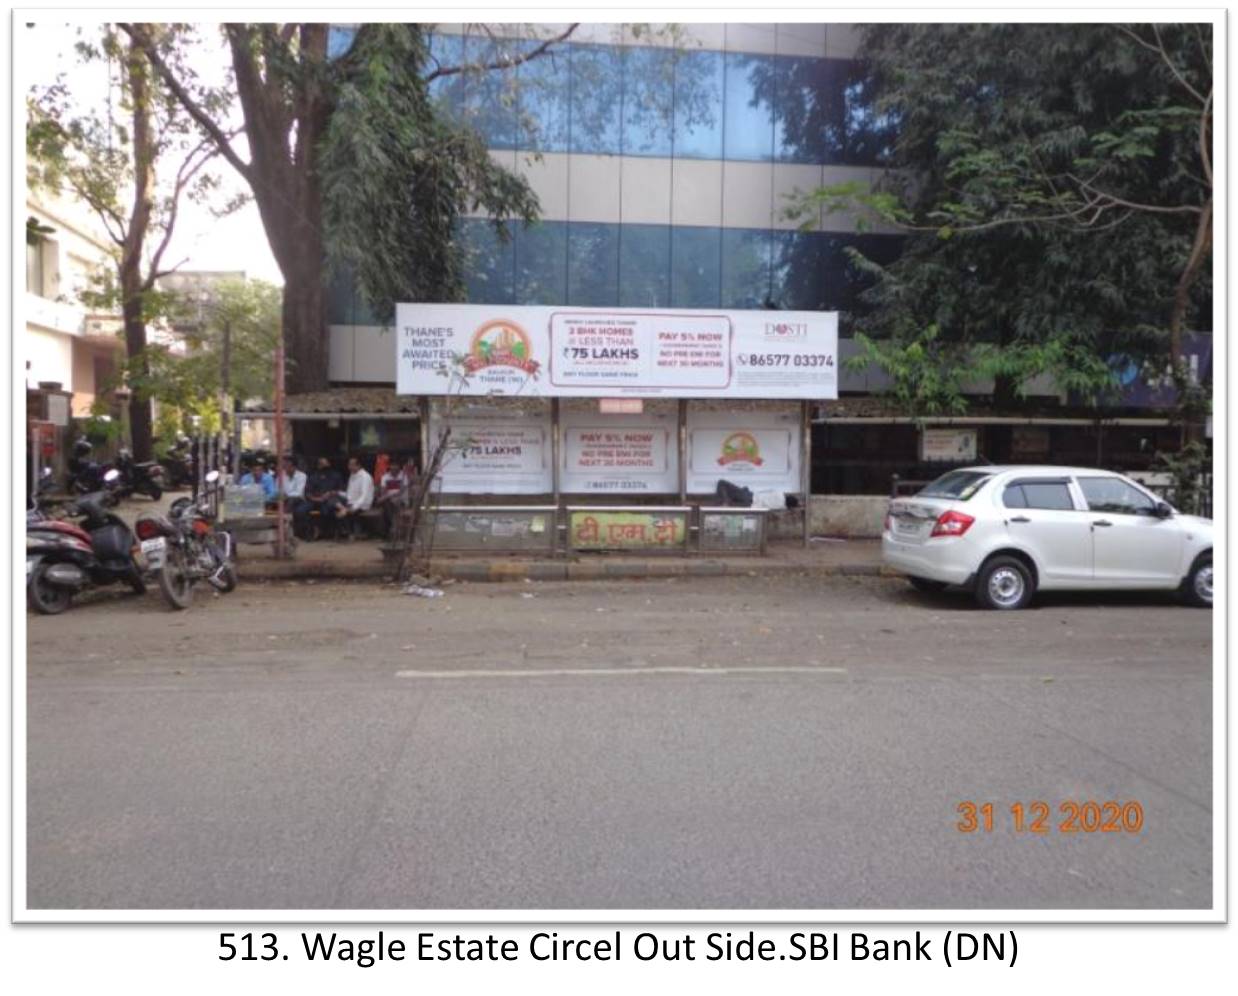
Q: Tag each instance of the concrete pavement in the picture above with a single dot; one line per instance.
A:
(734, 742)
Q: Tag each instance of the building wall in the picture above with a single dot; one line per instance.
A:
(59, 343)
(663, 165)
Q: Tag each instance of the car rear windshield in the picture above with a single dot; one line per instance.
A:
(959, 484)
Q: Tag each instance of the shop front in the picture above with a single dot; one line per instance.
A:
(616, 429)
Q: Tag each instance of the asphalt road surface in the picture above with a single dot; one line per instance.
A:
(801, 743)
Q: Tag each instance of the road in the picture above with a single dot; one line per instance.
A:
(799, 743)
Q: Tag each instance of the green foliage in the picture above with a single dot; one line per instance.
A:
(397, 175)
(189, 383)
(1190, 471)
(1024, 153)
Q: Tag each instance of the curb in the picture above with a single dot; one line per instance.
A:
(509, 571)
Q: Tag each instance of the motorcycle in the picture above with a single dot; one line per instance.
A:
(65, 558)
(143, 478)
(85, 475)
(178, 464)
(184, 548)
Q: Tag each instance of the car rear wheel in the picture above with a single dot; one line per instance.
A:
(1198, 587)
(1004, 583)
(926, 585)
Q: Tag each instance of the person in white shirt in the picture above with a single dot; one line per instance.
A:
(292, 481)
(360, 494)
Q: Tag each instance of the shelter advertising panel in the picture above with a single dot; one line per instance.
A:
(623, 454)
(594, 352)
(758, 450)
(503, 453)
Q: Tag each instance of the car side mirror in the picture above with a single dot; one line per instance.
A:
(1163, 510)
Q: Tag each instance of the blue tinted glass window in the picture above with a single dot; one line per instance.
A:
(698, 104)
(541, 263)
(490, 94)
(648, 104)
(809, 111)
(749, 106)
(696, 267)
(747, 267)
(346, 305)
(596, 99)
(486, 262)
(543, 99)
(447, 51)
(845, 280)
(593, 265)
(869, 134)
(645, 266)
(799, 274)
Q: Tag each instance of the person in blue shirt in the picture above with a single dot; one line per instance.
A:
(258, 474)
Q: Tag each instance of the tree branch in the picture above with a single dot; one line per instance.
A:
(507, 63)
(1159, 49)
(196, 111)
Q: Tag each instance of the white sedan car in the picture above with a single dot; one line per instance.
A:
(1007, 532)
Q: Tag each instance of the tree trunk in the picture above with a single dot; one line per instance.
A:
(1182, 292)
(131, 281)
(305, 310)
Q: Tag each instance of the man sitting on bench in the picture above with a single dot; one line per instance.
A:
(323, 485)
(356, 500)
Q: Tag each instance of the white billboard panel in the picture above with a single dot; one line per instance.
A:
(612, 352)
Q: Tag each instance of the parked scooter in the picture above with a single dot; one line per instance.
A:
(178, 464)
(145, 478)
(184, 548)
(64, 558)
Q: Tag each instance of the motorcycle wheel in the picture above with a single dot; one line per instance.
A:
(155, 491)
(46, 598)
(174, 579)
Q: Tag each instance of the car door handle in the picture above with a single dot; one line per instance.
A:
(1102, 522)
(1020, 518)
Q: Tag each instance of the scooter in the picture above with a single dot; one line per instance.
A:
(65, 558)
(178, 464)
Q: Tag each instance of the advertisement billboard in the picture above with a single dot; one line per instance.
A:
(613, 352)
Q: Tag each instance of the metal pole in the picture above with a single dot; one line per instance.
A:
(682, 433)
(279, 447)
(555, 457)
(805, 463)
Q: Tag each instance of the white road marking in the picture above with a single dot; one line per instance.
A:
(610, 672)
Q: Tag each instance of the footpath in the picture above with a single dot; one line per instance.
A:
(360, 559)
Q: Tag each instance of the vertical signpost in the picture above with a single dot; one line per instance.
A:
(279, 450)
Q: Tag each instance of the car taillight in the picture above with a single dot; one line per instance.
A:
(952, 524)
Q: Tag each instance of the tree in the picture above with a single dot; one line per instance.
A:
(378, 187)
(230, 335)
(113, 164)
(1055, 186)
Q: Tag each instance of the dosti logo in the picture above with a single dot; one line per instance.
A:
(786, 330)
(740, 447)
(501, 343)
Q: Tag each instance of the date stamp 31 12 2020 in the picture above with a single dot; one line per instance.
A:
(1089, 816)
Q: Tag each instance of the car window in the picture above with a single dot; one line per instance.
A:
(1038, 494)
(1111, 494)
(1013, 496)
(960, 484)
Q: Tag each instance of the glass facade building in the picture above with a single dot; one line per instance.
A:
(665, 164)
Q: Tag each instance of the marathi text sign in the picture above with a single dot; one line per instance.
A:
(610, 530)
(594, 352)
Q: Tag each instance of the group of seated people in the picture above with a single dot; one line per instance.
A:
(336, 501)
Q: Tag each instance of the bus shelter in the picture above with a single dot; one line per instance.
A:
(579, 429)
